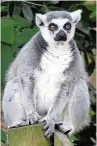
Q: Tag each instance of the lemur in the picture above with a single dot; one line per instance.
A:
(47, 80)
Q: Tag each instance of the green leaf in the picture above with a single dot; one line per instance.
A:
(73, 7)
(83, 27)
(17, 9)
(54, 8)
(24, 36)
(93, 15)
(3, 8)
(91, 8)
(3, 136)
(27, 12)
(11, 8)
(74, 138)
(20, 22)
(80, 40)
(91, 5)
(7, 31)
(6, 59)
(91, 112)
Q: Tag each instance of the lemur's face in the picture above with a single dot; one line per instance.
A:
(60, 30)
(58, 26)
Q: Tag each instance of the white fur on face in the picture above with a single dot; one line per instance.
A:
(60, 22)
(49, 36)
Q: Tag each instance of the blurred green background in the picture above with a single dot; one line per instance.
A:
(18, 26)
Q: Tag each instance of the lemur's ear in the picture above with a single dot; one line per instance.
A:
(40, 19)
(76, 16)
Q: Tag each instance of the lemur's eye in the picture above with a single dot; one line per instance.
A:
(67, 26)
(52, 27)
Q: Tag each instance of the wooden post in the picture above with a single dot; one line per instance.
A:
(61, 139)
(31, 135)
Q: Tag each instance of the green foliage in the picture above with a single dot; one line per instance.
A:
(74, 138)
(6, 59)
(3, 136)
(7, 31)
(23, 36)
(27, 12)
(3, 8)
(16, 31)
(92, 7)
(20, 22)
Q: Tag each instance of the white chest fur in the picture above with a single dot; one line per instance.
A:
(48, 81)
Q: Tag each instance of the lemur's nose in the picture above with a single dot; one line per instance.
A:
(62, 34)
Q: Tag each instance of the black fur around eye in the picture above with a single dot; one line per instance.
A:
(67, 26)
(53, 27)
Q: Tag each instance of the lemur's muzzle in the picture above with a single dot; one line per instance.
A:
(60, 36)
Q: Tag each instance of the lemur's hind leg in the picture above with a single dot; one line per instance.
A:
(65, 125)
(14, 113)
(78, 108)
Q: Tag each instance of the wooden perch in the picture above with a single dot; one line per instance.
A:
(33, 135)
(61, 139)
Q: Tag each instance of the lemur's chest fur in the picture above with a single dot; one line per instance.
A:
(49, 79)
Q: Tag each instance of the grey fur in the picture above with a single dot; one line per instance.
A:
(34, 52)
(58, 14)
(70, 106)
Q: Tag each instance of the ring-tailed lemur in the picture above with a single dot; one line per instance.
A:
(47, 80)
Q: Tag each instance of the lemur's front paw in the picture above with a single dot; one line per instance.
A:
(18, 123)
(34, 118)
(49, 127)
(66, 127)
